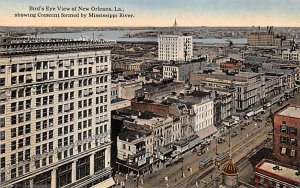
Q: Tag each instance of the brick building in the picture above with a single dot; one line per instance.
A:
(286, 138)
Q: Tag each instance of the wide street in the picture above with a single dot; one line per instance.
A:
(242, 145)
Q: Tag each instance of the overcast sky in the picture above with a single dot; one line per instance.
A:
(163, 13)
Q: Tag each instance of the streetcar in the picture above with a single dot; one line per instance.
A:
(205, 163)
(221, 158)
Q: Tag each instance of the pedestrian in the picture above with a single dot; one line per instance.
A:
(175, 180)
(211, 176)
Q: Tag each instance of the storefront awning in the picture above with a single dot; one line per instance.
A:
(105, 184)
(194, 143)
(208, 131)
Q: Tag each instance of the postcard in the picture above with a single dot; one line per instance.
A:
(149, 93)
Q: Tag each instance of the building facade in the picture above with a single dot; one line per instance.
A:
(175, 47)
(135, 151)
(180, 71)
(260, 39)
(249, 87)
(291, 55)
(269, 174)
(286, 137)
(55, 120)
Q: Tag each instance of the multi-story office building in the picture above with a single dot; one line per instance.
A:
(286, 135)
(260, 39)
(249, 87)
(180, 71)
(55, 114)
(175, 47)
(291, 55)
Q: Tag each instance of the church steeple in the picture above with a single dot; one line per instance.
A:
(175, 26)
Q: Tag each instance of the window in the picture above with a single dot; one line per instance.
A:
(2, 148)
(27, 128)
(83, 167)
(292, 154)
(2, 122)
(27, 141)
(283, 127)
(13, 132)
(2, 163)
(293, 131)
(283, 151)
(21, 143)
(64, 175)
(293, 141)
(2, 135)
(13, 145)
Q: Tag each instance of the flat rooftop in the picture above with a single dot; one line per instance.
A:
(282, 171)
(292, 111)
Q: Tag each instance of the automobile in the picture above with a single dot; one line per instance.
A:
(234, 134)
(221, 140)
(243, 128)
(270, 132)
(201, 152)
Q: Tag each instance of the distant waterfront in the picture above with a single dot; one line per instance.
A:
(118, 35)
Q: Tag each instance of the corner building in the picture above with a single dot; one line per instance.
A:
(55, 114)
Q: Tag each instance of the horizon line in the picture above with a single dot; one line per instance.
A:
(154, 26)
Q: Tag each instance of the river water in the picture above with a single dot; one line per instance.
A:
(118, 35)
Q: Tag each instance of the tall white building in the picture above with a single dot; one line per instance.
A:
(55, 115)
(175, 47)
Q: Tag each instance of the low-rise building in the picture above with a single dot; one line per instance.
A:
(180, 71)
(269, 174)
(135, 151)
(286, 135)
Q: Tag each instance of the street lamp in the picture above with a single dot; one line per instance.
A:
(137, 180)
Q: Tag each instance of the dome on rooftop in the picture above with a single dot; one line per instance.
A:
(230, 169)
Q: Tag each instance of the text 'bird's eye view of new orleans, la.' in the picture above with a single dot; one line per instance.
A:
(150, 94)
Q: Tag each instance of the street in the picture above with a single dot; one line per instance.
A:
(242, 145)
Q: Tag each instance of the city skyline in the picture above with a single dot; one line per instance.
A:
(156, 13)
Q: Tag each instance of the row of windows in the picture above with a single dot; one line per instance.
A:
(20, 118)
(44, 112)
(66, 96)
(65, 141)
(65, 130)
(44, 101)
(289, 130)
(65, 118)
(84, 124)
(288, 140)
(43, 136)
(288, 151)
(41, 125)
(21, 79)
(45, 76)
(46, 88)
(21, 105)
(66, 73)
(20, 144)
(21, 92)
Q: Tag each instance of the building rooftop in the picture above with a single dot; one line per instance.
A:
(280, 171)
(292, 111)
(37, 48)
(131, 135)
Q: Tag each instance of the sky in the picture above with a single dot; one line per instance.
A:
(159, 13)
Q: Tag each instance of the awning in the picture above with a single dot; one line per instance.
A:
(164, 150)
(208, 131)
(259, 110)
(105, 184)
(194, 142)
